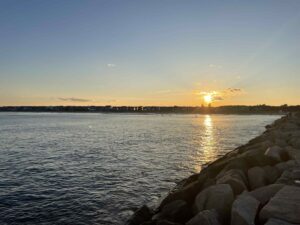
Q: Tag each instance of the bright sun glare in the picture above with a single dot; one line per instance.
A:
(208, 99)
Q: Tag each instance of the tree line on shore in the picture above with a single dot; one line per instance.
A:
(234, 109)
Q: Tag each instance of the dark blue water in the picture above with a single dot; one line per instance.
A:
(97, 168)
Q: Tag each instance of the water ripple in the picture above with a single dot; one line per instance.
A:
(98, 168)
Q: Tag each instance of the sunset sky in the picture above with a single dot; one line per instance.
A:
(164, 52)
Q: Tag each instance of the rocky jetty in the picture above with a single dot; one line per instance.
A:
(257, 183)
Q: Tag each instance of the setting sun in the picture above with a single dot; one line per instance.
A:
(208, 98)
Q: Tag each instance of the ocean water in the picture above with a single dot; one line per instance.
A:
(69, 168)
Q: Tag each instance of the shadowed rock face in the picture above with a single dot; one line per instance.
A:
(264, 194)
(236, 179)
(277, 222)
(285, 205)
(177, 210)
(205, 217)
(218, 197)
(244, 210)
(257, 183)
(141, 215)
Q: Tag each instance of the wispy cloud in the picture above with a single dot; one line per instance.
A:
(218, 98)
(211, 65)
(222, 94)
(233, 90)
(170, 93)
(74, 99)
(111, 65)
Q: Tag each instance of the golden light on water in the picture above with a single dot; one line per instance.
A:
(208, 123)
(207, 149)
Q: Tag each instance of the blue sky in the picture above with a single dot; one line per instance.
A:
(165, 52)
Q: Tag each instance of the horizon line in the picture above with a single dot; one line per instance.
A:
(211, 106)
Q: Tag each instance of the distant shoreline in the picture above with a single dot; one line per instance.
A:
(147, 113)
(238, 110)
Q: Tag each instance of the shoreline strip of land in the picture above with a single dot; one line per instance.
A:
(229, 109)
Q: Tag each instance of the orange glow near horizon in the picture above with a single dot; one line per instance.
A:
(208, 98)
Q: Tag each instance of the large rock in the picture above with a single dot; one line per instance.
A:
(235, 178)
(271, 174)
(187, 193)
(278, 135)
(293, 153)
(277, 222)
(244, 210)
(150, 222)
(295, 134)
(259, 146)
(143, 214)
(166, 222)
(248, 159)
(290, 126)
(281, 142)
(218, 197)
(295, 142)
(285, 165)
(239, 163)
(209, 182)
(290, 177)
(177, 211)
(264, 194)
(256, 176)
(275, 152)
(205, 217)
(285, 205)
(256, 158)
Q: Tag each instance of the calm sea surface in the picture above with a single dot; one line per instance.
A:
(97, 168)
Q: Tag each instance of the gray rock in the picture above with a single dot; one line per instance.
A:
(295, 142)
(177, 210)
(281, 142)
(143, 214)
(187, 193)
(293, 153)
(285, 205)
(290, 177)
(261, 146)
(254, 158)
(235, 178)
(286, 178)
(209, 182)
(264, 194)
(271, 174)
(166, 222)
(239, 163)
(277, 222)
(206, 217)
(275, 152)
(151, 222)
(295, 134)
(290, 126)
(285, 165)
(244, 210)
(279, 137)
(256, 176)
(218, 197)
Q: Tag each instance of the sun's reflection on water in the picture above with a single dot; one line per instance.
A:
(207, 148)
(208, 141)
(208, 122)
